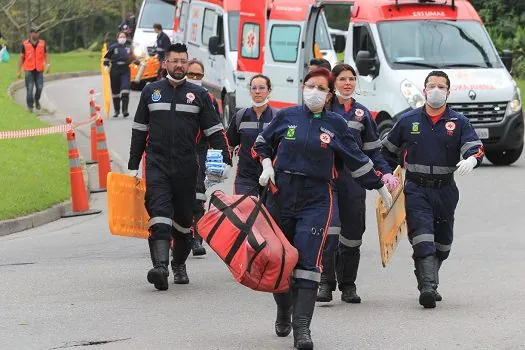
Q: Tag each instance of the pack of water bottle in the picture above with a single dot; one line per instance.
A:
(215, 168)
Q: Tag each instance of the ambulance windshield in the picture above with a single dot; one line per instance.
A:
(437, 44)
(157, 11)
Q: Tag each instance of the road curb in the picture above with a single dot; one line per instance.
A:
(54, 213)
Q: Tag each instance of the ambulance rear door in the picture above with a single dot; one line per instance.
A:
(181, 21)
(250, 55)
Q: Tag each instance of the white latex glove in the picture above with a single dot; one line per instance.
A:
(386, 196)
(134, 173)
(226, 173)
(107, 69)
(465, 166)
(268, 174)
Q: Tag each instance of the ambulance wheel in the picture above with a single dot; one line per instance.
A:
(384, 127)
(228, 108)
(504, 157)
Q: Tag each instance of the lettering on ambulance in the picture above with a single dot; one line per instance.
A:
(429, 14)
(464, 87)
(195, 24)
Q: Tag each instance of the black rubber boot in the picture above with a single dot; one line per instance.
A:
(283, 321)
(347, 273)
(426, 270)
(125, 104)
(197, 248)
(179, 274)
(160, 256)
(438, 263)
(303, 310)
(116, 106)
(328, 281)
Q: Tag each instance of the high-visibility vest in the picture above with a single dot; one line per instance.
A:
(34, 56)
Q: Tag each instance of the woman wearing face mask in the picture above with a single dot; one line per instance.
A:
(120, 56)
(244, 127)
(304, 143)
(194, 75)
(351, 196)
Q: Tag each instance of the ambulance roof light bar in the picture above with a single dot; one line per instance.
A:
(433, 2)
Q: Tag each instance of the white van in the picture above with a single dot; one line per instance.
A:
(395, 44)
(151, 12)
(210, 28)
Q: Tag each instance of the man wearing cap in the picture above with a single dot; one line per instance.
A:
(33, 59)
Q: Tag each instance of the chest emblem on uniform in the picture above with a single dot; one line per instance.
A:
(450, 126)
(325, 138)
(190, 97)
(115, 51)
(290, 133)
(156, 96)
(415, 128)
(359, 114)
(128, 50)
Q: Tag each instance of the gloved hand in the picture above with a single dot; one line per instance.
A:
(226, 173)
(107, 69)
(390, 181)
(465, 166)
(268, 174)
(134, 173)
(386, 196)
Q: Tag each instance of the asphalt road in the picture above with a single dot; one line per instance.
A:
(71, 284)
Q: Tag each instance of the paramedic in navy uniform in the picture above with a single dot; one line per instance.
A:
(439, 142)
(305, 143)
(171, 115)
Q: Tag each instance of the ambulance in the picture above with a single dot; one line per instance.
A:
(213, 31)
(145, 39)
(394, 44)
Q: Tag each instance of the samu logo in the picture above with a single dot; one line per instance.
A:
(415, 128)
(156, 96)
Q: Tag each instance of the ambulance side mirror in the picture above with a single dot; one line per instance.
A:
(506, 58)
(340, 43)
(366, 63)
(215, 46)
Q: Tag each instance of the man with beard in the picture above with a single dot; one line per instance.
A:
(171, 117)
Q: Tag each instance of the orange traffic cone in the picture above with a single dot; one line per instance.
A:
(104, 166)
(93, 135)
(79, 196)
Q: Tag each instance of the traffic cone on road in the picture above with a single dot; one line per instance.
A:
(104, 166)
(79, 196)
(93, 134)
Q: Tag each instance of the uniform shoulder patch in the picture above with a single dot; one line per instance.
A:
(359, 114)
(156, 96)
(450, 126)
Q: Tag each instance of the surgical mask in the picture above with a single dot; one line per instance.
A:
(314, 99)
(121, 41)
(436, 98)
(344, 97)
(177, 82)
(260, 104)
(196, 82)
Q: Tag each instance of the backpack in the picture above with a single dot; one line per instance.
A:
(240, 113)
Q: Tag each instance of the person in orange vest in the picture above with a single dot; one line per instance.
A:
(33, 59)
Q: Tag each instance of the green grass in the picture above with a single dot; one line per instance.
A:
(34, 173)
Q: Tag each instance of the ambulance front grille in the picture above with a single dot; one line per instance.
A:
(481, 113)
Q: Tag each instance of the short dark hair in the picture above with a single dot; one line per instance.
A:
(268, 81)
(438, 73)
(321, 72)
(196, 61)
(179, 48)
(157, 26)
(34, 29)
(321, 63)
(342, 67)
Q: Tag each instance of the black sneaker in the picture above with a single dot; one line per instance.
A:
(126, 115)
(37, 105)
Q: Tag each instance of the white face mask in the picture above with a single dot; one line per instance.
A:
(436, 98)
(196, 82)
(177, 82)
(344, 97)
(314, 99)
(260, 104)
(121, 41)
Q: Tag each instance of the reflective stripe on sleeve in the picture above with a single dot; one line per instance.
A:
(468, 145)
(363, 170)
(390, 146)
(160, 220)
(356, 125)
(368, 146)
(351, 243)
(213, 129)
(139, 126)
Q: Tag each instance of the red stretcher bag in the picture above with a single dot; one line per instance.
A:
(245, 236)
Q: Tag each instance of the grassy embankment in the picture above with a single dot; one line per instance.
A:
(34, 172)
